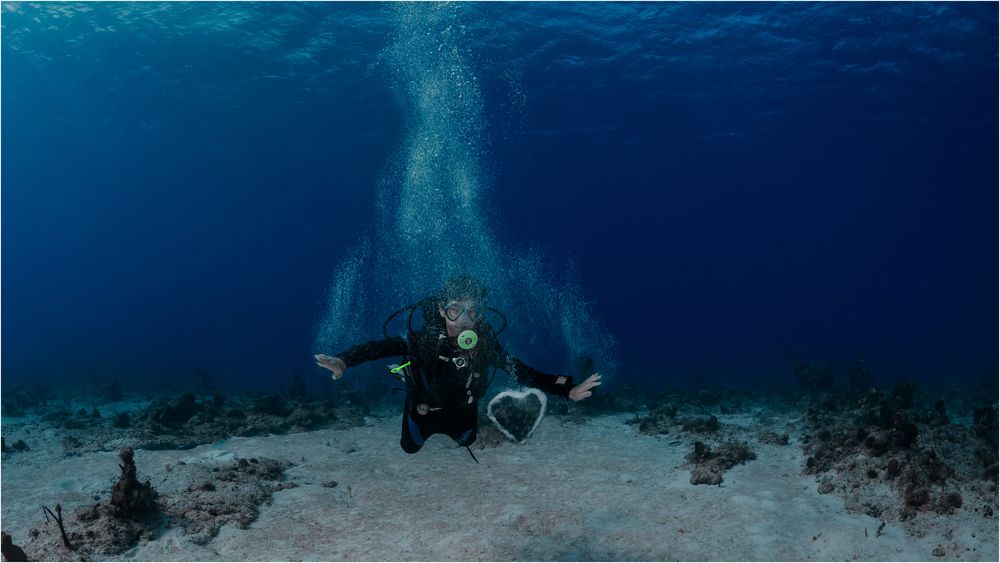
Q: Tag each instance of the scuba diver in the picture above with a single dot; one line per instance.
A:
(448, 364)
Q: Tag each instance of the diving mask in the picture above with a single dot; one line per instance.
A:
(454, 311)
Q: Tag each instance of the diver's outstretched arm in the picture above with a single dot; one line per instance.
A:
(336, 365)
(583, 390)
(361, 353)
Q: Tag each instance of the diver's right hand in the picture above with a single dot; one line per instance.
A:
(336, 365)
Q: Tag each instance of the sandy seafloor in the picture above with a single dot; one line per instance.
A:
(590, 490)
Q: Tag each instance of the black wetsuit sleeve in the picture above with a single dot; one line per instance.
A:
(526, 375)
(373, 350)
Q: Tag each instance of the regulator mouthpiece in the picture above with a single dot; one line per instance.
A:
(467, 339)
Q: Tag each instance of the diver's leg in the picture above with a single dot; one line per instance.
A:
(466, 437)
(463, 427)
(411, 439)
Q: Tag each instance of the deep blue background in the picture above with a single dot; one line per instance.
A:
(742, 186)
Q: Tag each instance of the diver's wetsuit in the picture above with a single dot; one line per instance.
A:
(444, 382)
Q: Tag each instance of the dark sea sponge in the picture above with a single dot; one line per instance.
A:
(173, 413)
(710, 465)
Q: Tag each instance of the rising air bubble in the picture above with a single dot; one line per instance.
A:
(432, 220)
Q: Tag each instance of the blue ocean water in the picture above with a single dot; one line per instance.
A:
(691, 193)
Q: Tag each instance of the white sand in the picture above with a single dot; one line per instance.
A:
(591, 491)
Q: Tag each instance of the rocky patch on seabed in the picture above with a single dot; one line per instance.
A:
(197, 498)
(897, 462)
(884, 454)
(187, 421)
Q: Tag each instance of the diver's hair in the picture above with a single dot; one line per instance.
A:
(463, 287)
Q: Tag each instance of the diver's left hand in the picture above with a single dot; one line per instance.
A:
(583, 390)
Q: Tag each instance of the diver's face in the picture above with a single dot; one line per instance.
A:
(459, 315)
